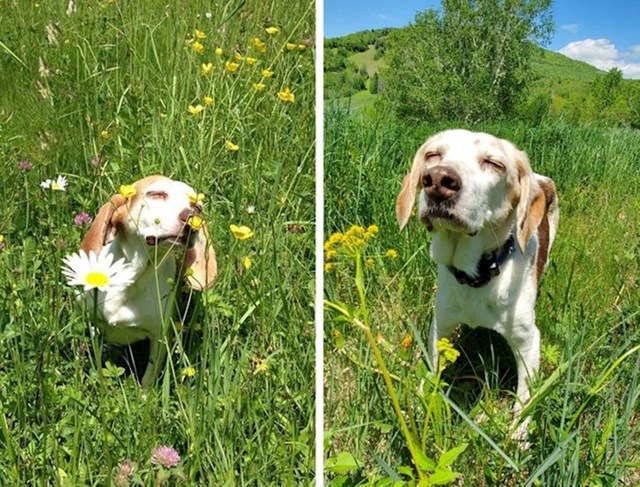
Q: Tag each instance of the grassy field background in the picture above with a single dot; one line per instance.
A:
(585, 405)
(99, 92)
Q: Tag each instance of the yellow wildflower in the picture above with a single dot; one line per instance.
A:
(336, 333)
(104, 134)
(197, 47)
(196, 222)
(260, 46)
(196, 199)
(188, 372)
(259, 86)
(207, 100)
(286, 95)
(218, 51)
(206, 69)
(127, 190)
(198, 34)
(301, 47)
(231, 67)
(195, 110)
(328, 267)
(241, 232)
(391, 253)
(238, 56)
(272, 30)
(266, 73)
(291, 46)
(250, 60)
(369, 262)
(379, 338)
(231, 146)
(446, 352)
(331, 253)
(260, 365)
(407, 341)
(246, 262)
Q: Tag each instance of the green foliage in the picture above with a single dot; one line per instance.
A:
(104, 101)
(471, 61)
(359, 41)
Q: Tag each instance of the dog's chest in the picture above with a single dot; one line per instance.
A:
(138, 312)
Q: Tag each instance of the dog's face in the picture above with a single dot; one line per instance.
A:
(159, 213)
(468, 181)
(157, 217)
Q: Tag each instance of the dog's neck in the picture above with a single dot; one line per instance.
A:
(464, 252)
(140, 256)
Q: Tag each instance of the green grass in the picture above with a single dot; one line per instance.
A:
(586, 399)
(104, 102)
(367, 61)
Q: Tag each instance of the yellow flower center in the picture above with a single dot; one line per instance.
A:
(97, 279)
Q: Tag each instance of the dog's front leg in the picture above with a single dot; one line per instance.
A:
(526, 350)
(157, 352)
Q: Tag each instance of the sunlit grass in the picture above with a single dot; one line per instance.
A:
(585, 402)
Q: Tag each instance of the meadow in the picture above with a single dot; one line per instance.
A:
(585, 428)
(219, 94)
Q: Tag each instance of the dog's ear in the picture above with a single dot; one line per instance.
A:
(531, 204)
(407, 196)
(201, 261)
(103, 227)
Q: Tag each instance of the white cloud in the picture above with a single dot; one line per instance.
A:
(604, 55)
(573, 28)
(381, 16)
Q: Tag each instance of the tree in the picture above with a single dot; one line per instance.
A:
(468, 61)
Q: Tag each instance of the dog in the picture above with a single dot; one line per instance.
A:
(151, 231)
(493, 222)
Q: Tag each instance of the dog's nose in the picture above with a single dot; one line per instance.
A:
(184, 215)
(441, 183)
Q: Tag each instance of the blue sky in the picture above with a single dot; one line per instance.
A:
(603, 33)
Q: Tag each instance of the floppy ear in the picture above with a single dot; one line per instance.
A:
(407, 196)
(103, 227)
(531, 205)
(201, 259)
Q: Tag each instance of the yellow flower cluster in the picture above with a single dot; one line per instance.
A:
(351, 243)
(446, 352)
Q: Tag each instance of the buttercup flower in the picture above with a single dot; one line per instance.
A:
(197, 47)
(291, 46)
(246, 262)
(266, 73)
(198, 34)
(195, 222)
(165, 456)
(96, 271)
(231, 67)
(407, 341)
(369, 262)
(301, 47)
(241, 232)
(127, 190)
(206, 69)
(195, 110)
(231, 146)
(328, 267)
(250, 60)
(258, 86)
(272, 30)
(207, 100)
(189, 372)
(286, 95)
(218, 51)
(238, 57)
(59, 184)
(260, 46)
(82, 219)
(391, 253)
(196, 199)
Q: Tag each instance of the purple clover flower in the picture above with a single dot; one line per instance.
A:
(165, 456)
(82, 219)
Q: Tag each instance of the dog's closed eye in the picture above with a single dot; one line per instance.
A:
(157, 195)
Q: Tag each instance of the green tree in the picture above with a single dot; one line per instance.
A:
(468, 61)
(605, 88)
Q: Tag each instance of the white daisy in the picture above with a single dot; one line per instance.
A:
(59, 184)
(96, 271)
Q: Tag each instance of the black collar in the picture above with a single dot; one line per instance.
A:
(488, 266)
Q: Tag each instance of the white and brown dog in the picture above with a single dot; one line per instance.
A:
(150, 231)
(493, 222)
